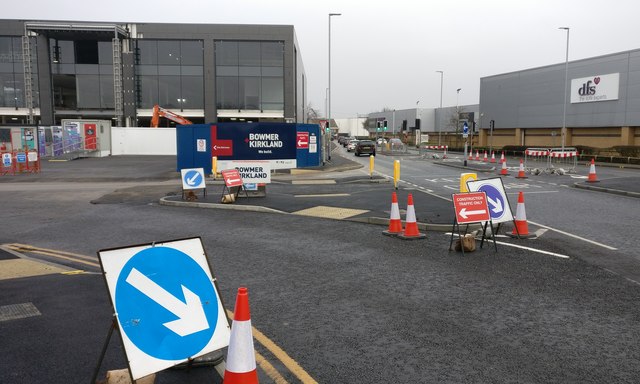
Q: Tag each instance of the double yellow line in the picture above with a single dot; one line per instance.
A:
(260, 337)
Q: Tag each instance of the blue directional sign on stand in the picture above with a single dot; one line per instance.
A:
(499, 207)
(166, 304)
(193, 178)
(465, 130)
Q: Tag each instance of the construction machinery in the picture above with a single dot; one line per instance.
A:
(159, 112)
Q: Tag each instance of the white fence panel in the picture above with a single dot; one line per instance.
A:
(143, 141)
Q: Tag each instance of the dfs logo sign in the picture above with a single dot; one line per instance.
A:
(596, 88)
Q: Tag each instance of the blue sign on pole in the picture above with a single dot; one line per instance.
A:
(465, 129)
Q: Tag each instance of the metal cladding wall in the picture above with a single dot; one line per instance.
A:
(534, 98)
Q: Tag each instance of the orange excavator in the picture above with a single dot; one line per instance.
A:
(159, 112)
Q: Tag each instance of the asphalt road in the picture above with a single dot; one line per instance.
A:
(348, 304)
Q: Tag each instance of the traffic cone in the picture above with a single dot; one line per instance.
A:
(241, 359)
(444, 155)
(485, 159)
(471, 155)
(521, 174)
(493, 157)
(395, 223)
(592, 173)
(502, 157)
(504, 171)
(477, 155)
(521, 228)
(411, 231)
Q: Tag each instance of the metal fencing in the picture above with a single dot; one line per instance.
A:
(550, 160)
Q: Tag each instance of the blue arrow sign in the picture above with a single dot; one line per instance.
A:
(495, 201)
(465, 128)
(166, 304)
(192, 178)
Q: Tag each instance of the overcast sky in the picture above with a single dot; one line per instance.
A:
(386, 53)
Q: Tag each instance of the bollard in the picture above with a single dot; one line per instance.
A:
(396, 173)
(371, 164)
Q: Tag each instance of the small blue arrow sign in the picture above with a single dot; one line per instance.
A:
(192, 178)
(166, 303)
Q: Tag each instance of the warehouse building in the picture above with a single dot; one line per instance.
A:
(52, 71)
(600, 106)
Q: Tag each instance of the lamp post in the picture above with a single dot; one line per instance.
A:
(441, 81)
(329, 88)
(563, 132)
(458, 124)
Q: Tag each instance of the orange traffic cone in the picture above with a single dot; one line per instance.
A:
(592, 173)
(485, 159)
(521, 228)
(504, 171)
(395, 223)
(477, 155)
(521, 174)
(493, 157)
(502, 157)
(411, 231)
(241, 359)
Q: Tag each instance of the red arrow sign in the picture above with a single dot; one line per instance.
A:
(232, 178)
(302, 140)
(471, 207)
(220, 148)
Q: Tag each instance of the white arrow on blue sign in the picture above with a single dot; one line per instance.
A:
(166, 303)
(499, 207)
(193, 178)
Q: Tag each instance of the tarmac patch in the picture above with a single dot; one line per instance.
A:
(312, 182)
(330, 212)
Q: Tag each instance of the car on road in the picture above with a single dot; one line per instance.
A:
(382, 141)
(365, 147)
(396, 144)
(352, 145)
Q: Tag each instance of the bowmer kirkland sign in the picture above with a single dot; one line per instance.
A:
(275, 142)
(595, 88)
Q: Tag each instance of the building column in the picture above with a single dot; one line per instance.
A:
(568, 139)
(519, 136)
(627, 135)
(483, 138)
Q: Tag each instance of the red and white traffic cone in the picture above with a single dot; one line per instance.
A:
(592, 173)
(411, 231)
(395, 223)
(493, 157)
(521, 228)
(241, 359)
(471, 155)
(444, 155)
(521, 174)
(504, 171)
(502, 157)
(485, 158)
(477, 155)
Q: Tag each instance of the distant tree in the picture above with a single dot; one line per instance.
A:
(312, 113)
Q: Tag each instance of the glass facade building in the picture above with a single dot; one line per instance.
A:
(119, 72)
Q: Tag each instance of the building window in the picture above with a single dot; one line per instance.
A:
(12, 90)
(250, 75)
(170, 73)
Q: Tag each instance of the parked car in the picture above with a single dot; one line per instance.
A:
(365, 147)
(352, 145)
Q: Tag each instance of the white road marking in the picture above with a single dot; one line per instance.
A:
(574, 236)
(533, 250)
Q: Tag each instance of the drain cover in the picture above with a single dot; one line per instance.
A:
(18, 311)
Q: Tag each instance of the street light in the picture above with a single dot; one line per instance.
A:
(441, 81)
(329, 88)
(563, 132)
